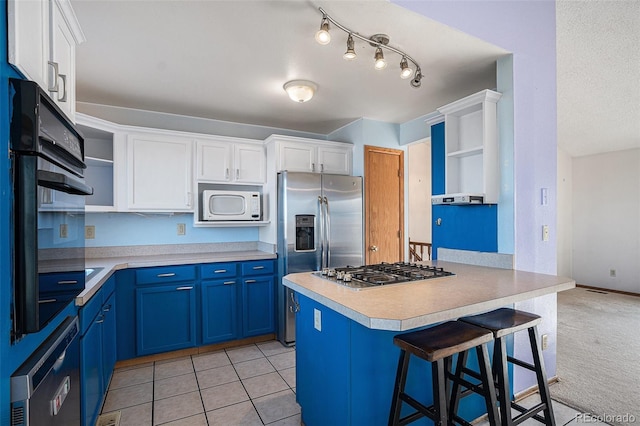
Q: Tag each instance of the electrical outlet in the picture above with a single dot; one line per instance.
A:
(89, 232)
(612, 273)
(317, 319)
(64, 230)
(545, 341)
(181, 229)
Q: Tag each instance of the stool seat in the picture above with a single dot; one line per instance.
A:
(504, 321)
(443, 340)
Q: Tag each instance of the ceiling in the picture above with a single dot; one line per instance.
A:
(228, 60)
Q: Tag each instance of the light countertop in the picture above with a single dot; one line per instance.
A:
(406, 306)
(112, 264)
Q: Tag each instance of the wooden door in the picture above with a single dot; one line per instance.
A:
(384, 204)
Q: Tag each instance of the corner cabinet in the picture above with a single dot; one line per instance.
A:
(310, 155)
(159, 172)
(472, 167)
(42, 40)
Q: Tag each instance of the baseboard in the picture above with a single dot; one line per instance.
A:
(608, 290)
(194, 351)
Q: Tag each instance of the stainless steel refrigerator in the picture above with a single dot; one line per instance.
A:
(320, 225)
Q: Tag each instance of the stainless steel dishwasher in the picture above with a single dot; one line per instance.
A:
(45, 390)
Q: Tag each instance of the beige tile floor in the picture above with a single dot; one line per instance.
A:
(249, 385)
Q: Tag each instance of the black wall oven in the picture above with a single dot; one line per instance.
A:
(47, 154)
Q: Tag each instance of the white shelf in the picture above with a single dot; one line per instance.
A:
(466, 152)
(231, 224)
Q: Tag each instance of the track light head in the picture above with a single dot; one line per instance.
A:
(350, 53)
(322, 36)
(380, 63)
(405, 71)
(416, 82)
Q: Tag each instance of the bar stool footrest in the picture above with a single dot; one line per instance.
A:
(422, 410)
(521, 363)
(527, 413)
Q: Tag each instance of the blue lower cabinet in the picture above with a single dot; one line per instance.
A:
(258, 310)
(97, 350)
(219, 310)
(165, 318)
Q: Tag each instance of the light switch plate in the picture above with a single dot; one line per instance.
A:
(317, 319)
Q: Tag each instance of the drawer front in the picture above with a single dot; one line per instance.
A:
(218, 270)
(109, 287)
(59, 282)
(89, 311)
(165, 274)
(257, 267)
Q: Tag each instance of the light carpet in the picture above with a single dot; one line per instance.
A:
(598, 354)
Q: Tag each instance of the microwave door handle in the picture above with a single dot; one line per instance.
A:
(63, 183)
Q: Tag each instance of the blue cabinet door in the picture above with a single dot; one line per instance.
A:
(91, 372)
(258, 311)
(165, 318)
(219, 310)
(109, 353)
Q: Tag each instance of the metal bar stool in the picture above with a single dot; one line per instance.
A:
(503, 322)
(437, 345)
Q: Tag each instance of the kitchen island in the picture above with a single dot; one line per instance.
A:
(345, 357)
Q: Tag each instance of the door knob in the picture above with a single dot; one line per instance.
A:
(373, 248)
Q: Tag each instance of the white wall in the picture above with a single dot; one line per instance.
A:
(565, 214)
(606, 220)
(419, 183)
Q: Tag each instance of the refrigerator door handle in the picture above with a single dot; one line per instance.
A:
(322, 250)
(327, 218)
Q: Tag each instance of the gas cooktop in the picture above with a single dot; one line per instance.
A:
(370, 276)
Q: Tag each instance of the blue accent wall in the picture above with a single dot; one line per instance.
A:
(437, 159)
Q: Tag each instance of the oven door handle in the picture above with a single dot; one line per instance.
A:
(64, 183)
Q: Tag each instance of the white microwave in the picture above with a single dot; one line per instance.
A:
(230, 205)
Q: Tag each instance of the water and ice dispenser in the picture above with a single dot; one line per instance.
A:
(305, 232)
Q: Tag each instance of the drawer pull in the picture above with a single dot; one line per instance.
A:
(168, 274)
(106, 308)
(258, 267)
(250, 281)
(228, 282)
(68, 282)
(184, 288)
(100, 319)
(219, 271)
(47, 300)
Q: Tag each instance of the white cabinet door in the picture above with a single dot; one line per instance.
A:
(250, 163)
(159, 173)
(337, 160)
(63, 59)
(214, 161)
(28, 38)
(297, 157)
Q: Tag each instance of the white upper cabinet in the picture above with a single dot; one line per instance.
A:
(472, 165)
(230, 160)
(310, 155)
(159, 172)
(42, 40)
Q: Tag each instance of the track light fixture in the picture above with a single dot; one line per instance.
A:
(379, 41)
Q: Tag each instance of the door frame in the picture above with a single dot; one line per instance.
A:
(368, 150)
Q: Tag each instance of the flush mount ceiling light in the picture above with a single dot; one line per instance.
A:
(379, 41)
(300, 90)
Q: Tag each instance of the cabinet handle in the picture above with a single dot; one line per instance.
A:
(55, 87)
(258, 267)
(184, 288)
(226, 173)
(219, 271)
(189, 198)
(313, 167)
(250, 281)
(237, 174)
(100, 319)
(64, 88)
(321, 168)
(47, 300)
(68, 282)
(295, 306)
(228, 282)
(168, 274)
(106, 308)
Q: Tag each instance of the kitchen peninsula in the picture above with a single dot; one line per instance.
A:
(346, 361)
